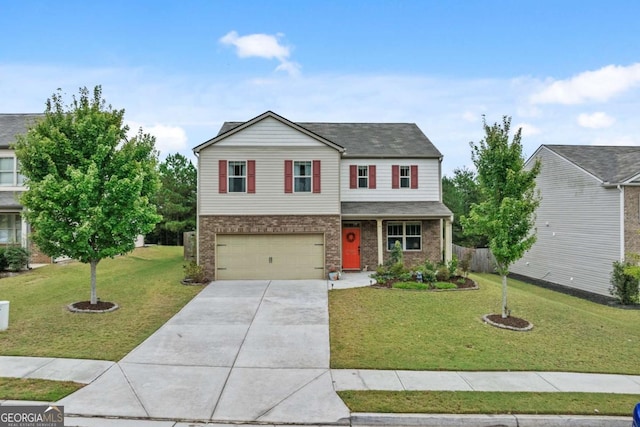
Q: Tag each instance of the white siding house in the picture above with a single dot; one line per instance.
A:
(580, 222)
(281, 200)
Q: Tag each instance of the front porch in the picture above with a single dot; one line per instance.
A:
(370, 229)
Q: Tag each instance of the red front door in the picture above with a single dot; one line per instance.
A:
(351, 248)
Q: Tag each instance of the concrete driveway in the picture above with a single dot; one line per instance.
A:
(239, 351)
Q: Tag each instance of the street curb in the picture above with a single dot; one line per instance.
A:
(443, 420)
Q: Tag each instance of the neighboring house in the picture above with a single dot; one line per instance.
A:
(589, 215)
(13, 229)
(285, 200)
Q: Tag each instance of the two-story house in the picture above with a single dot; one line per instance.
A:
(285, 200)
(13, 229)
(589, 215)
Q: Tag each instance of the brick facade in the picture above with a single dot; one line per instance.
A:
(431, 246)
(211, 225)
(631, 219)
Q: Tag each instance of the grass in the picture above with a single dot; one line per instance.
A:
(381, 329)
(145, 284)
(34, 389)
(421, 286)
(465, 402)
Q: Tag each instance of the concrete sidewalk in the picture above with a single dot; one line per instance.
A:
(86, 371)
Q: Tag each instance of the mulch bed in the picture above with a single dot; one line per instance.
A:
(509, 322)
(468, 284)
(87, 307)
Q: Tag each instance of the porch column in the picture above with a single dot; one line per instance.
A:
(448, 248)
(380, 242)
(24, 233)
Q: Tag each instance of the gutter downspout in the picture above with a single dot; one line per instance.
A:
(621, 190)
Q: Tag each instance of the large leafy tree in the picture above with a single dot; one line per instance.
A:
(459, 193)
(506, 213)
(89, 186)
(176, 199)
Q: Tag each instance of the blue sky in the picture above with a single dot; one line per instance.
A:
(568, 72)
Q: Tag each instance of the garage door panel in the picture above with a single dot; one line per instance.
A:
(278, 256)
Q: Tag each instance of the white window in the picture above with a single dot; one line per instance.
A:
(10, 228)
(363, 176)
(10, 172)
(302, 177)
(237, 177)
(405, 177)
(409, 234)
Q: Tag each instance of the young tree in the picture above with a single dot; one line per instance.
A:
(506, 213)
(459, 194)
(88, 185)
(176, 199)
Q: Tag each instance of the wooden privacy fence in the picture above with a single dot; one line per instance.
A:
(482, 260)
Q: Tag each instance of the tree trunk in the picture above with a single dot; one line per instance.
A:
(94, 295)
(504, 297)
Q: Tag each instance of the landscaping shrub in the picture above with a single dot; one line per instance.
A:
(442, 273)
(194, 272)
(16, 258)
(3, 259)
(624, 282)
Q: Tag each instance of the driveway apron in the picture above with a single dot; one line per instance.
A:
(239, 351)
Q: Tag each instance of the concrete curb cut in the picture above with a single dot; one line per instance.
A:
(441, 420)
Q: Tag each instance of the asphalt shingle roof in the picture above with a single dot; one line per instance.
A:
(9, 200)
(394, 140)
(15, 124)
(431, 209)
(611, 164)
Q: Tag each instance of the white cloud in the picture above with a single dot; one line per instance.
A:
(597, 120)
(471, 117)
(262, 46)
(169, 139)
(599, 86)
(527, 129)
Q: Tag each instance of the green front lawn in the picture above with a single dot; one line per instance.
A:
(35, 389)
(145, 284)
(467, 402)
(384, 329)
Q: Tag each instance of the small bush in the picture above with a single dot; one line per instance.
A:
(442, 273)
(16, 257)
(194, 272)
(396, 253)
(624, 283)
(410, 285)
(465, 263)
(445, 285)
(453, 266)
(3, 259)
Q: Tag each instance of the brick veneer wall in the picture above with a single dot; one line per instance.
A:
(431, 250)
(209, 226)
(631, 219)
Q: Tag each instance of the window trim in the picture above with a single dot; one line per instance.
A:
(364, 177)
(404, 235)
(232, 164)
(306, 177)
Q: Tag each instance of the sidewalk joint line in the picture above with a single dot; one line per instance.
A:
(133, 390)
(395, 371)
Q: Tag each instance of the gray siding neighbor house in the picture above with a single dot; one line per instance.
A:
(13, 229)
(589, 215)
(285, 200)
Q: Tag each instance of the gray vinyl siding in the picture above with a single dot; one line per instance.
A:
(269, 198)
(578, 228)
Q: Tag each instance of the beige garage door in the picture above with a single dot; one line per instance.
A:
(272, 256)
